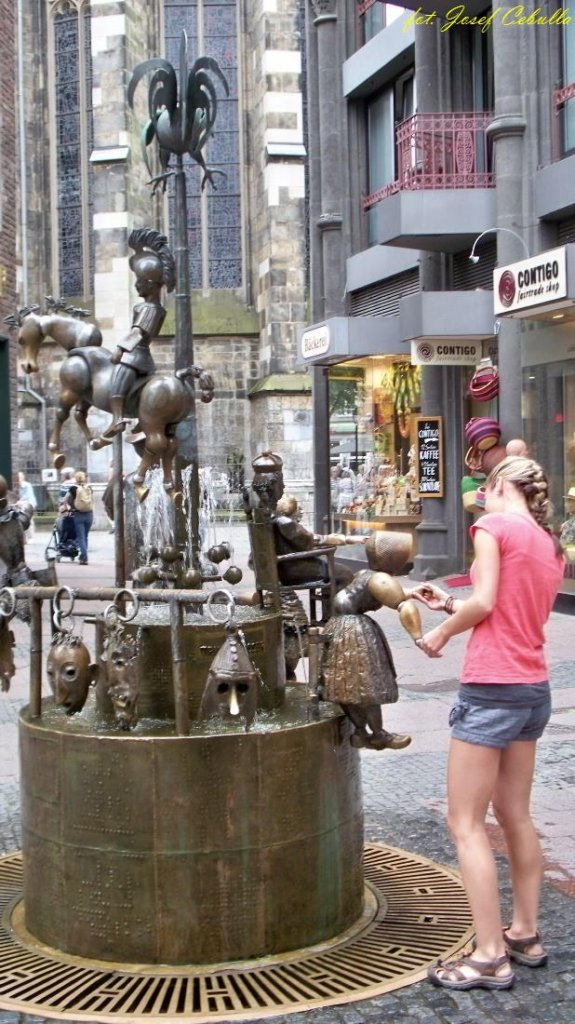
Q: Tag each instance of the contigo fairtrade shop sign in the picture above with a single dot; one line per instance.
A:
(315, 342)
(445, 352)
(536, 281)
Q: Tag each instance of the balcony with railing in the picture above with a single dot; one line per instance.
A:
(555, 183)
(440, 151)
(436, 154)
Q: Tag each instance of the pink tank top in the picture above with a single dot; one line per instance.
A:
(507, 647)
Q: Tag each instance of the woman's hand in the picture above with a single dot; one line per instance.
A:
(433, 642)
(430, 595)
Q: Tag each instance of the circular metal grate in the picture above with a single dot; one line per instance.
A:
(416, 911)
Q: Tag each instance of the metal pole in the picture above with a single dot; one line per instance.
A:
(118, 497)
(187, 433)
(178, 669)
(35, 605)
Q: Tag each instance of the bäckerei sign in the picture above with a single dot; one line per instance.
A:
(536, 281)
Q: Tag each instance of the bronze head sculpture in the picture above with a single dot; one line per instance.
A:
(121, 665)
(231, 688)
(70, 672)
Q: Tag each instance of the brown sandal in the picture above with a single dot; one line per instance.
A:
(517, 950)
(485, 977)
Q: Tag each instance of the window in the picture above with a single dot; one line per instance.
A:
(374, 16)
(72, 144)
(568, 118)
(393, 104)
(214, 215)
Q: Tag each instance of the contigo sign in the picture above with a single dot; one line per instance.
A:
(536, 281)
(430, 352)
(315, 342)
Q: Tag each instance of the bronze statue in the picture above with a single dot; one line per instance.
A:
(159, 403)
(232, 685)
(179, 126)
(14, 520)
(153, 265)
(358, 671)
(120, 662)
(7, 643)
(290, 535)
(70, 672)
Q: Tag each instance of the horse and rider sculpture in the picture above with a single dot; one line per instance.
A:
(124, 382)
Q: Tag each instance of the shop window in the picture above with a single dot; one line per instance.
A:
(549, 417)
(371, 441)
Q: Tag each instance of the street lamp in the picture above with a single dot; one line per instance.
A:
(475, 259)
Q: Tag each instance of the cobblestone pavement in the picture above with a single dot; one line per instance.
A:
(404, 798)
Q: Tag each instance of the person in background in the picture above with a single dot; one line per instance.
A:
(80, 499)
(26, 496)
(108, 498)
(502, 709)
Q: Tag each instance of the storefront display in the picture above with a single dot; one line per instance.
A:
(372, 443)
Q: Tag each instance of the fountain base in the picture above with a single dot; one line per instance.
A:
(415, 911)
(164, 849)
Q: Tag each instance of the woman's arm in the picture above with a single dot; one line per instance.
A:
(479, 605)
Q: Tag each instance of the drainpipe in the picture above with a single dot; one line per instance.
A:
(23, 178)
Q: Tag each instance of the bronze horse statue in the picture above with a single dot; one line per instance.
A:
(158, 402)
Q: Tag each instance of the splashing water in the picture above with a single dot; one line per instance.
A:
(156, 515)
(214, 494)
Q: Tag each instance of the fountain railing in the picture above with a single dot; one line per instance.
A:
(177, 600)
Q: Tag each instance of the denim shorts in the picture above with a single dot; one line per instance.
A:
(495, 715)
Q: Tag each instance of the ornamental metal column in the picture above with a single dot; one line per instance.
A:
(182, 118)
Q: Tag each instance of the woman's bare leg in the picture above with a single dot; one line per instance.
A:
(471, 779)
(511, 806)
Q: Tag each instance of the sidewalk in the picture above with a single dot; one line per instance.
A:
(404, 799)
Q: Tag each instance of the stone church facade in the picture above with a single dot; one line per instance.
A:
(86, 187)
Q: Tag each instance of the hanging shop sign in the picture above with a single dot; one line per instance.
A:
(429, 456)
(315, 342)
(538, 281)
(444, 352)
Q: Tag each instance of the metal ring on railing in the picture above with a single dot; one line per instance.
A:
(230, 604)
(65, 630)
(65, 592)
(133, 597)
(7, 602)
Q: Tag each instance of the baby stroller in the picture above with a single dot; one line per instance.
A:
(62, 543)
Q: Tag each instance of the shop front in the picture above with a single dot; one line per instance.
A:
(541, 292)
(373, 398)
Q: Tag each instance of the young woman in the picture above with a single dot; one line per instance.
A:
(501, 710)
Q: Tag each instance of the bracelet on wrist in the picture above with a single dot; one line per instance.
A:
(449, 605)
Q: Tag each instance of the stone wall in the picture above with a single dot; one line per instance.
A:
(273, 77)
(223, 425)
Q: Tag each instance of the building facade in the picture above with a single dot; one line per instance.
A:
(8, 172)
(87, 187)
(449, 129)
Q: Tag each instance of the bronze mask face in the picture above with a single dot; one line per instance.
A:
(231, 689)
(121, 669)
(69, 673)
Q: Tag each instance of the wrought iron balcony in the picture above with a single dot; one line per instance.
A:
(440, 151)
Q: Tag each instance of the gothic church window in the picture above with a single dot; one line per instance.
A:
(214, 215)
(71, 76)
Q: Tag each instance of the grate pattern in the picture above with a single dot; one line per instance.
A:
(419, 913)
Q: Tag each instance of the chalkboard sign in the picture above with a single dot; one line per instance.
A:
(429, 456)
